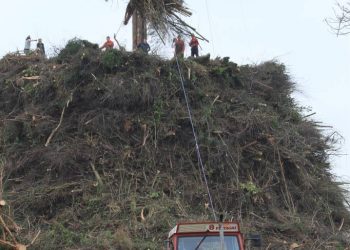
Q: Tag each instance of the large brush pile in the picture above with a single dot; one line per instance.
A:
(97, 152)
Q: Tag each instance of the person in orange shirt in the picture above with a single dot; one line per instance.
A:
(108, 44)
(179, 47)
(194, 46)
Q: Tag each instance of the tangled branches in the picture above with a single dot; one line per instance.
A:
(123, 151)
(340, 24)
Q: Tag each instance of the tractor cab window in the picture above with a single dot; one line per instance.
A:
(207, 243)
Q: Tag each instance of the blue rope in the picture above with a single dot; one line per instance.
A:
(195, 138)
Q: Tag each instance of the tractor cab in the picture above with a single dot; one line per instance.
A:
(207, 236)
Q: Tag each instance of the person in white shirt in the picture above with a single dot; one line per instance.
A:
(27, 45)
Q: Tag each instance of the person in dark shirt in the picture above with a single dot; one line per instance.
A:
(144, 46)
(40, 47)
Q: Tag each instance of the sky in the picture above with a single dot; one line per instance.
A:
(248, 31)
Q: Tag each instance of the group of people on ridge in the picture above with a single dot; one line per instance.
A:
(180, 46)
(40, 48)
(178, 43)
(109, 44)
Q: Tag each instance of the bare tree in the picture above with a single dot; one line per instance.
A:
(340, 23)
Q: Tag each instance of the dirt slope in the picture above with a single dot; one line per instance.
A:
(97, 151)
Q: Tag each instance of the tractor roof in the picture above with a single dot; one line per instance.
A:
(203, 227)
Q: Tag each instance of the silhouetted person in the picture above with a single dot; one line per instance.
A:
(144, 46)
(40, 47)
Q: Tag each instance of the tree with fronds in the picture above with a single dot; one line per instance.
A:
(163, 18)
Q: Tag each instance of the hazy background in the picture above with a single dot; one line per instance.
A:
(249, 31)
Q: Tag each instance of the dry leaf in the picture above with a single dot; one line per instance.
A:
(293, 246)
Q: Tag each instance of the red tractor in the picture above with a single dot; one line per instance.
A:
(209, 236)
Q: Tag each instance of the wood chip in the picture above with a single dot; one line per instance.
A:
(20, 247)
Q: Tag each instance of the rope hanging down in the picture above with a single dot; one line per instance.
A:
(210, 27)
(120, 26)
(195, 138)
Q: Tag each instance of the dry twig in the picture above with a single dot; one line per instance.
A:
(59, 124)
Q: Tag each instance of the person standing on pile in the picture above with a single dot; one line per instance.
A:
(179, 47)
(108, 44)
(144, 46)
(194, 46)
(27, 45)
(40, 47)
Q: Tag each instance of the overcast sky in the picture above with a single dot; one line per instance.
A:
(249, 31)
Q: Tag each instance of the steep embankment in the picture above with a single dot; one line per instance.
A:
(97, 151)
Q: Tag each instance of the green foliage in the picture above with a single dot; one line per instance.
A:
(225, 70)
(73, 47)
(158, 110)
(341, 247)
(295, 116)
(220, 71)
(274, 122)
(62, 237)
(12, 131)
(121, 240)
(30, 71)
(250, 188)
(8, 82)
(111, 58)
(207, 112)
(29, 88)
(4, 248)
(60, 234)
(154, 195)
(133, 205)
(149, 245)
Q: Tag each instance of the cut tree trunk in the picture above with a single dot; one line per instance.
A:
(139, 29)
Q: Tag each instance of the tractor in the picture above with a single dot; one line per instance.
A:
(209, 236)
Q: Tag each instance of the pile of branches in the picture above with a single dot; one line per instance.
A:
(9, 229)
(94, 135)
